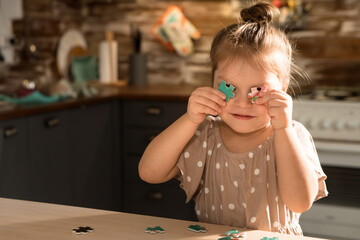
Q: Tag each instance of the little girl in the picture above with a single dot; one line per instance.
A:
(252, 166)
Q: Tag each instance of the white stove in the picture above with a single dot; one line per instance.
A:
(335, 128)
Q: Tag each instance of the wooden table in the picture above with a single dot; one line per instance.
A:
(26, 220)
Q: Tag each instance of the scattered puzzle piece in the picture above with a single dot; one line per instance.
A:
(153, 230)
(240, 235)
(228, 91)
(235, 234)
(227, 238)
(266, 238)
(196, 228)
(231, 232)
(82, 230)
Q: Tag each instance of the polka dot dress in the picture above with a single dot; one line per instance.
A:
(239, 189)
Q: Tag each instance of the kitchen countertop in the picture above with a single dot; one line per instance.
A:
(37, 221)
(106, 93)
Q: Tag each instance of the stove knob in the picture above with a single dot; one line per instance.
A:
(339, 125)
(352, 125)
(312, 123)
(325, 124)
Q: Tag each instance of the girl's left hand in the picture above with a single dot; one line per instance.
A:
(279, 107)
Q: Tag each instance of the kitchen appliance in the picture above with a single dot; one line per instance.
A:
(333, 119)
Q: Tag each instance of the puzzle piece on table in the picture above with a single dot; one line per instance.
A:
(235, 234)
(153, 230)
(83, 230)
(239, 235)
(231, 232)
(255, 92)
(196, 228)
(227, 238)
(266, 238)
(228, 91)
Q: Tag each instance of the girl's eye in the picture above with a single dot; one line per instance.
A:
(255, 89)
(228, 85)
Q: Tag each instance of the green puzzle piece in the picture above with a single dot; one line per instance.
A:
(196, 228)
(228, 91)
(226, 238)
(153, 230)
(231, 232)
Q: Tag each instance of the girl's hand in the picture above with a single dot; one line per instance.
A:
(203, 101)
(279, 106)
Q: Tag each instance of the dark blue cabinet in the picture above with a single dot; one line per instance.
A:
(88, 156)
(143, 120)
(14, 161)
(51, 172)
(94, 148)
(67, 157)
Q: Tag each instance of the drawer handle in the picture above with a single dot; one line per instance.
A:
(10, 131)
(155, 195)
(153, 111)
(52, 122)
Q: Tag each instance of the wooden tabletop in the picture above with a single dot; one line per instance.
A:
(26, 220)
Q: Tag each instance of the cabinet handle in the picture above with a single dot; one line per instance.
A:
(52, 122)
(155, 195)
(153, 111)
(10, 131)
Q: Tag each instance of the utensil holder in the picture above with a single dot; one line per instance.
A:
(138, 69)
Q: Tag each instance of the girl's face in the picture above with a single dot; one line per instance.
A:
(239, 113)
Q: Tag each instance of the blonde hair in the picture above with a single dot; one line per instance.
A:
(255, 40)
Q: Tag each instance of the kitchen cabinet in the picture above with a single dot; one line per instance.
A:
(143, 120)
(86, 153)
(71, 157)
(51, 169)
(95, 150)
(14, 162)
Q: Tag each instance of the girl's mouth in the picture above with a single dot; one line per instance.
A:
(242, 117)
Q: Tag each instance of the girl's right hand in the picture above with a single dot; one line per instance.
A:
(204, 101)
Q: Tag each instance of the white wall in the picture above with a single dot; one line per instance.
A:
(9, 9)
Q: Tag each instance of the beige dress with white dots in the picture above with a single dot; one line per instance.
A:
(240, 189)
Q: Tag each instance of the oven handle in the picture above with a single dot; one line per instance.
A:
(338, 147)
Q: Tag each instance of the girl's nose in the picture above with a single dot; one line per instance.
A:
(242, 100)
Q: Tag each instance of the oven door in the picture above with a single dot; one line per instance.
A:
(337, 215)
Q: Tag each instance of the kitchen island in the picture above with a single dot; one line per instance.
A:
(29, 220)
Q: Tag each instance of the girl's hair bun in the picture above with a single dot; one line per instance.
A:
(259, 13)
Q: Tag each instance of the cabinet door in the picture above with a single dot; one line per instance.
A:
(162, 200)
(14, 161)
(143, 120)
(52, 171)
(94, 147)
(151, 114)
